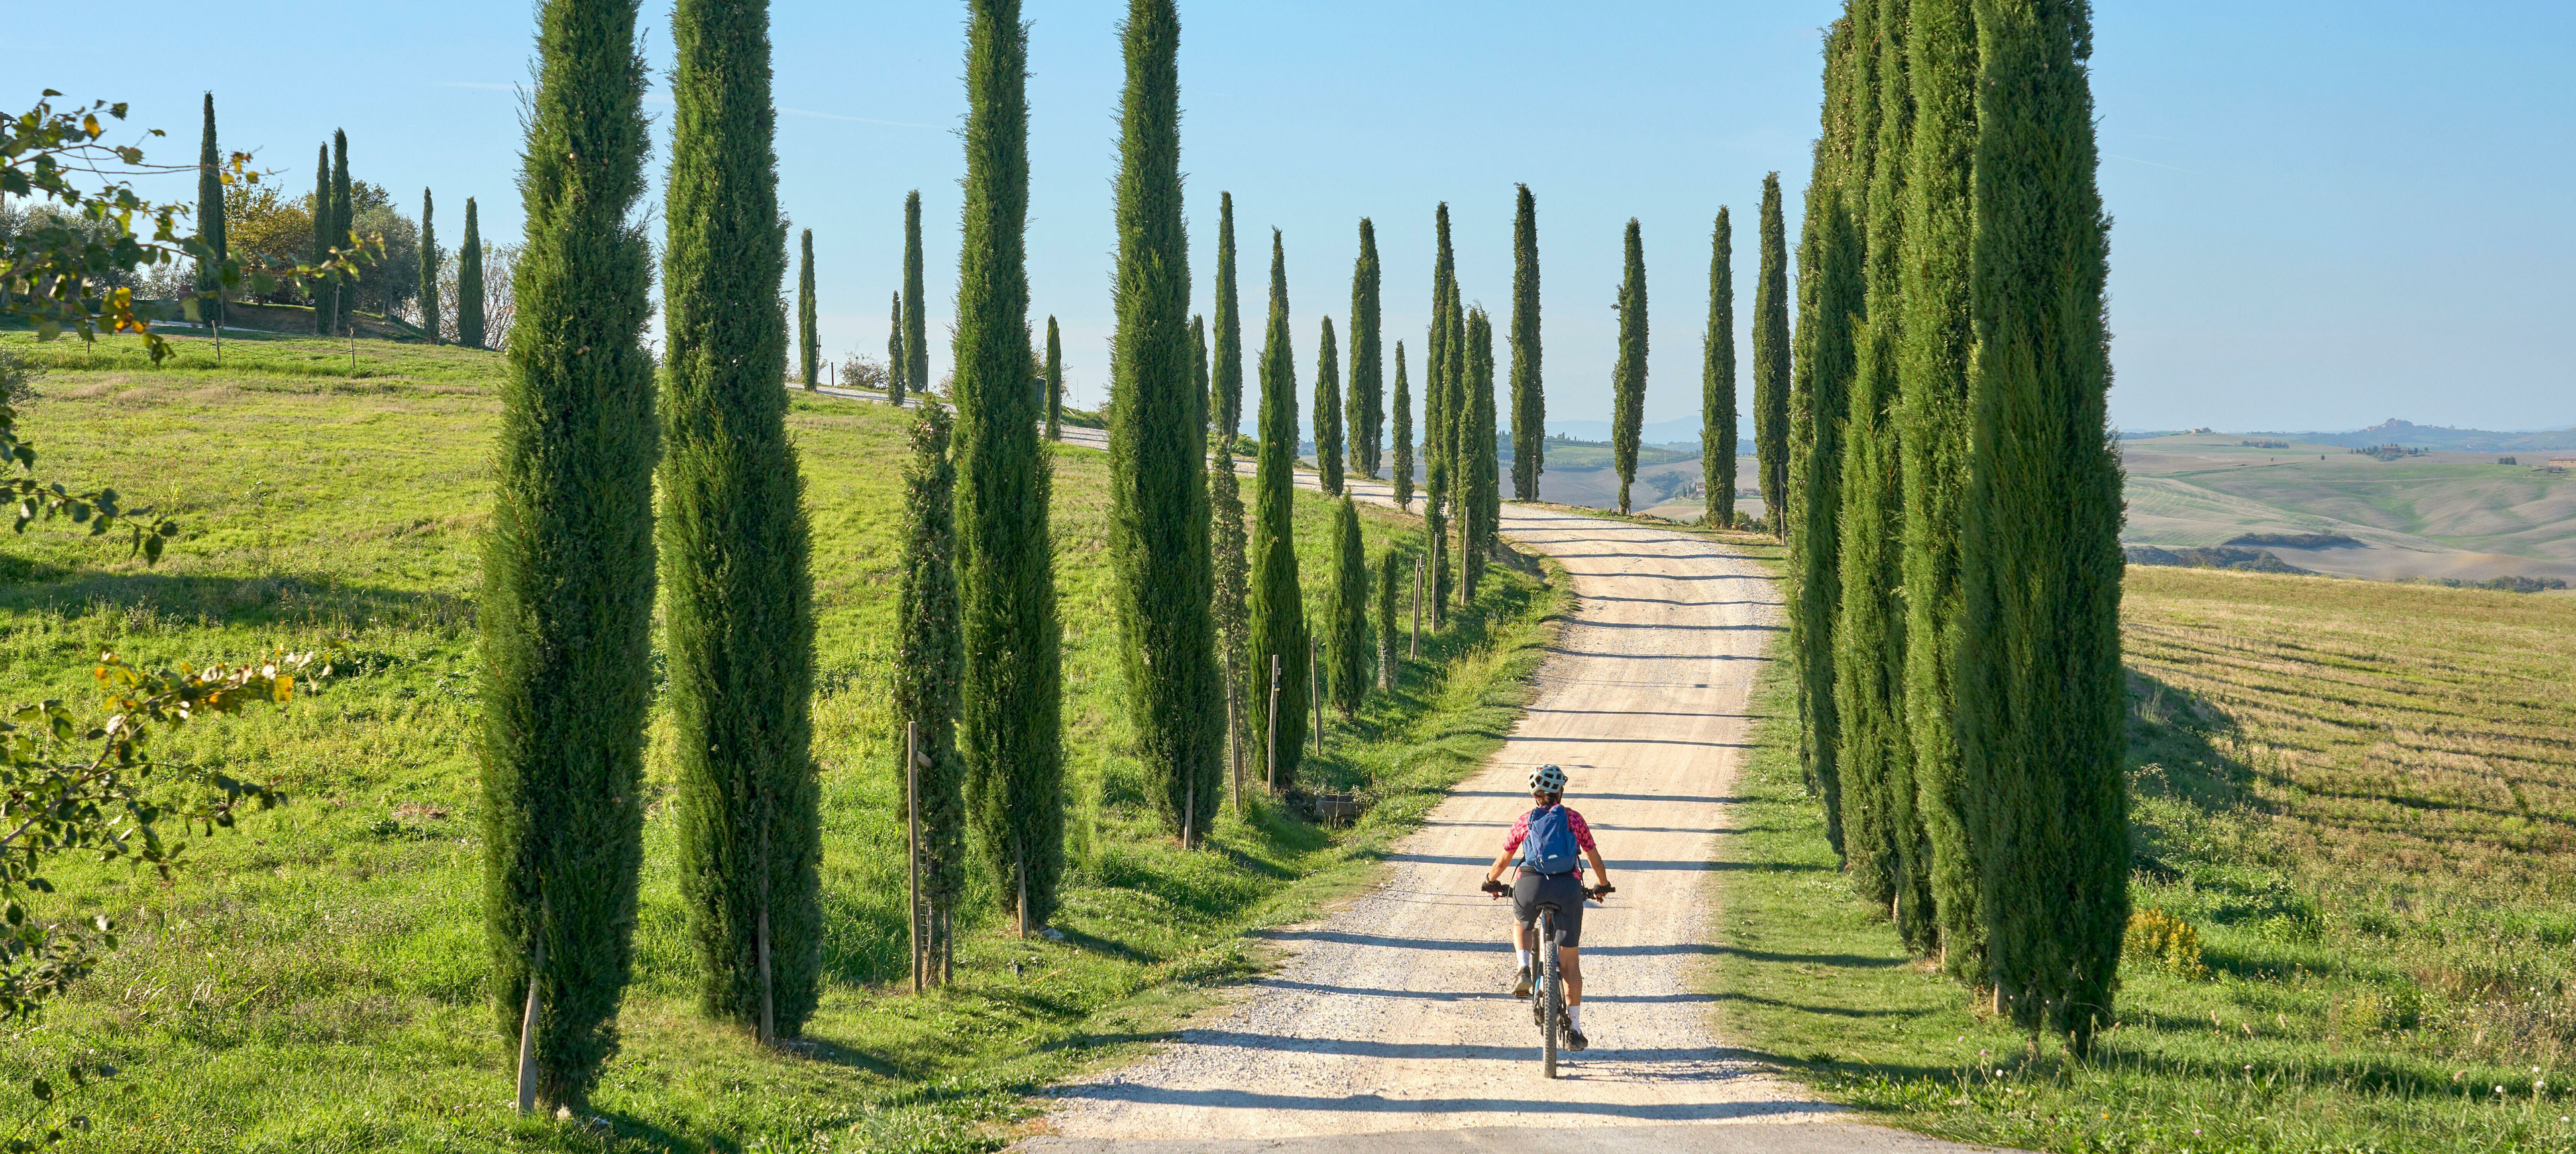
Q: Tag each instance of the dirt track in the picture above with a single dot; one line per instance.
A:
(1391, 1018)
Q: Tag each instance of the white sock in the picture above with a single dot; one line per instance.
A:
(1574, 1016)
(1524, 958)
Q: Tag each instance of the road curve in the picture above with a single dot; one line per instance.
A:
(1391, 1018)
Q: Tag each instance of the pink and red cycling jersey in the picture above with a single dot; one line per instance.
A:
(1573, 821)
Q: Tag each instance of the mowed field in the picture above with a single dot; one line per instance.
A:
(316, 979)
(2360, 797)
(2447, 514)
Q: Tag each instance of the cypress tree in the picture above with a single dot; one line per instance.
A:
(1158, 539)
(1449, 496)
(469, 283)
(1933, 416)
(1628, 377)
(1887, 852)
(1328, 412)
(1830, 300)
(344, 217)
(1277, 610)
(916, 339)
(738, 602)
(1484, 461)
(1529, 398)
(1226, 364)
(428, 270)
(897, 365)
(1717, 379)
(2040, 690)
(1054, 382)
(1388, 582)
(210, 223)
(930, 655)
(1365, 417)
(1199, 361)
(1771, 363)
(566, 608)
(1400, 434)
(1226, 556)
(1011, 706)
(809, 340)
(1435, 417)
(1346, 648)
(320, 289)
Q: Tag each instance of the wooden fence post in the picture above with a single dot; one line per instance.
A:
(1315, 689)
(1271, 767)
(528, 1030)
(1234, 735)
(1417, 607)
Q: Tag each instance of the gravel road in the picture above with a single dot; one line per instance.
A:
(1391, 1017)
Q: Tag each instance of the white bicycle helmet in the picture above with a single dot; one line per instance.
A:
(1547, 779)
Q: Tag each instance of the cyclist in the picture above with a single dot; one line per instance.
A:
(1544, 843)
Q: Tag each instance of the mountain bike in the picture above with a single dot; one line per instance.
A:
(1547, 1003)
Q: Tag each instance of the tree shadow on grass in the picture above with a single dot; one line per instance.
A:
(273, 599)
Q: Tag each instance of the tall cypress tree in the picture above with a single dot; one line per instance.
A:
(1346, 648)
(1158, 539)
(2040, 690)
(1054, 382)
(1388, 579)
(1717, 378)
(1933, 416)
(1010, 719)
(210, 223)
(1225, 366)
(469, 283)
(323, 241)
(1199, 361)
(1451, 389)
(738, 599)
(428, 270)
(1484, 460)
(1400, 434)
(897, 363)
(344, 217)
(1328, 412)
(1887, 852)
(1435, 414)
(566, 609)
(1628, 377)
(930, 655)
(809, 340)
(1277, 607)
(1365, 417)
(1231, 593)
(916, 337)
(1529, 397)
(1771, 363)
(1831, 300)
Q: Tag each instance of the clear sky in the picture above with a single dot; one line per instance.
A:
(2328, 214)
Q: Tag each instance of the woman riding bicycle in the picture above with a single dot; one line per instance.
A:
(1543, 843)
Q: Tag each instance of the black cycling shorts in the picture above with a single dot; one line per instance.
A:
(1566, 890)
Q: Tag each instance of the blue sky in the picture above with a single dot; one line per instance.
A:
(2327, 214)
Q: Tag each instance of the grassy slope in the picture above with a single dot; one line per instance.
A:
(2362, 796)
(315, 981)
(2203, 490)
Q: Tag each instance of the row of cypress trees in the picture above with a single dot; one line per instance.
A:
(1954, 505)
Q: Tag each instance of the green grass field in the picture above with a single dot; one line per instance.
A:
(315, 980)
(2361, 796)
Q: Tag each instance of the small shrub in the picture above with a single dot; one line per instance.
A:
(2161, 938)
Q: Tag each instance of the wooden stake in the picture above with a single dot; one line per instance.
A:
(1234, 735)
(1315, 690)
(1271, 767)
(912, 804)
(1021, 867)
(528, 1031)
(1189, 815)
(768, 1012)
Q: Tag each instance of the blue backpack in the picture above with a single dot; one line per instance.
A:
(1550, 847)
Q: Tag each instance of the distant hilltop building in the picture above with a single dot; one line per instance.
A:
(2203, 431)
(2562, 463)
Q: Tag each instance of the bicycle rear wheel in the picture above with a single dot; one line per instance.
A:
(1551, 999)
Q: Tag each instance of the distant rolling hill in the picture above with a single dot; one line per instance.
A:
(2437, 515)
(2414, 436)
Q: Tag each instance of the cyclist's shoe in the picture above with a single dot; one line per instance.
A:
(1574, 1039)
(1521, 983)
